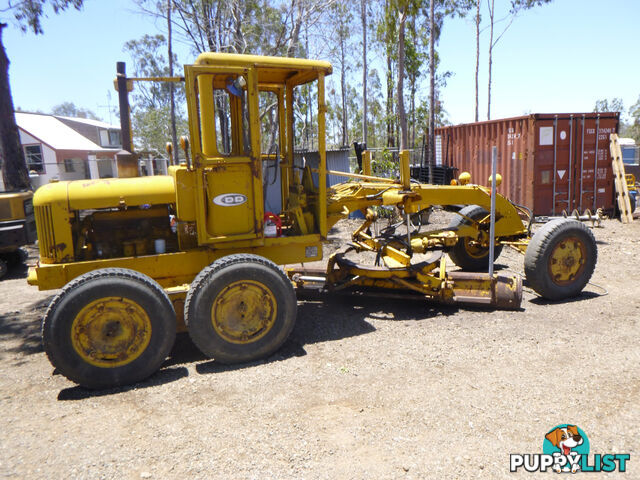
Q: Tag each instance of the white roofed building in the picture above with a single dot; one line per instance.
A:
(66, 148)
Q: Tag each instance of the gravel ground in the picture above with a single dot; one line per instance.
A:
(365, 388)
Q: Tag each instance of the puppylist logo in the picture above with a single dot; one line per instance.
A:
(566, 449)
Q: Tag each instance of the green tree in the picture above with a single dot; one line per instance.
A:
(26, 15)
(633, 130)
(342, 35)
(69, 109)
(152, 128)
(151, 101)
(387, 41)
(517, 7)
(612, 105)
(438, 11)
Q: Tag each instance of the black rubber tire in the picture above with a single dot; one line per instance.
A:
(108, 282)
(210, 282)
(4, 267)
(459, 254)
(17, 257)
(538, 257)
(632, 204)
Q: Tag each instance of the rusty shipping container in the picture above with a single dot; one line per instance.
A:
(548, 162)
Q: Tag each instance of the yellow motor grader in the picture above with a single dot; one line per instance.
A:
(137, 258)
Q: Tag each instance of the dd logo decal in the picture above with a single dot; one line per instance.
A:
(230, 199)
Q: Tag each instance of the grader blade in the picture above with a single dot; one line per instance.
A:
(465, 288)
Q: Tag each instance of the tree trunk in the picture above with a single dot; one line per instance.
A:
(295, 35)
(477, 52)
(343, 88)
(390, 120)
(491, 11)
(412, 99)
(238, 37)
(432, 87)
(363, 13)
(172, 92)
(402, 116)
(14, 168)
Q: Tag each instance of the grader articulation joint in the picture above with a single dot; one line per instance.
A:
(217, 274)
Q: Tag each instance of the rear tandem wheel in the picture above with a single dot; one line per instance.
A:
(240, 308)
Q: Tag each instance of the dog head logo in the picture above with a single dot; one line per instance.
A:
(565, 438)
(567, 444)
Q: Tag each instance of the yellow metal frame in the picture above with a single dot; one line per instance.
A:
(176, 269)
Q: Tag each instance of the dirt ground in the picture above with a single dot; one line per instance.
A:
(365, 388)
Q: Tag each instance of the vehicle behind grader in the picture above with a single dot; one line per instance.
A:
(137, 258)
(17, 228)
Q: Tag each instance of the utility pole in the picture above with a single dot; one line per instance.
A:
(363, 13)
(432, 90)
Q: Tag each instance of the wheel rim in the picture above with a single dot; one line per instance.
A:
(244, 311)
(474, 249)
(111, 332)
(567, 260)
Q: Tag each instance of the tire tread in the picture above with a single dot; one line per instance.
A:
(457, 253)
(535, 265)
(77, 282)
(202, 278)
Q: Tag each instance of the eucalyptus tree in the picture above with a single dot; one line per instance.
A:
(151, 112)
(26, 15)
(517, 7)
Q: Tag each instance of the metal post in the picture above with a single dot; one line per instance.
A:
(595, 165)
(123, 97)
(581, 164)
(569, 173)
(492, 225)
(555, 161)
(366, 162)
(405, 173)
(322, 169)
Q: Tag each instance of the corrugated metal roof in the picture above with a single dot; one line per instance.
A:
(92, 122)
(54, 133)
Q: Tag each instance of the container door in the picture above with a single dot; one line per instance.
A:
(568, 177)
(554, 165)
(593, 180)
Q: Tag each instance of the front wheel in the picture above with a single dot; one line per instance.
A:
(560, 259)
(240, 308)
(109, 327)
(467, 253)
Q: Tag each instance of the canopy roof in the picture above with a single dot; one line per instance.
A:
(271, 70)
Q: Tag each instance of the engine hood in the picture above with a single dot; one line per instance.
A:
(108, 192)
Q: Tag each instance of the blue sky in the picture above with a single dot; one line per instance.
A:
(561, 57)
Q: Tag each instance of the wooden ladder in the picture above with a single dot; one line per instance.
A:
(622, 192)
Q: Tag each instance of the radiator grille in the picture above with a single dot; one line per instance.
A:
(46, 238)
